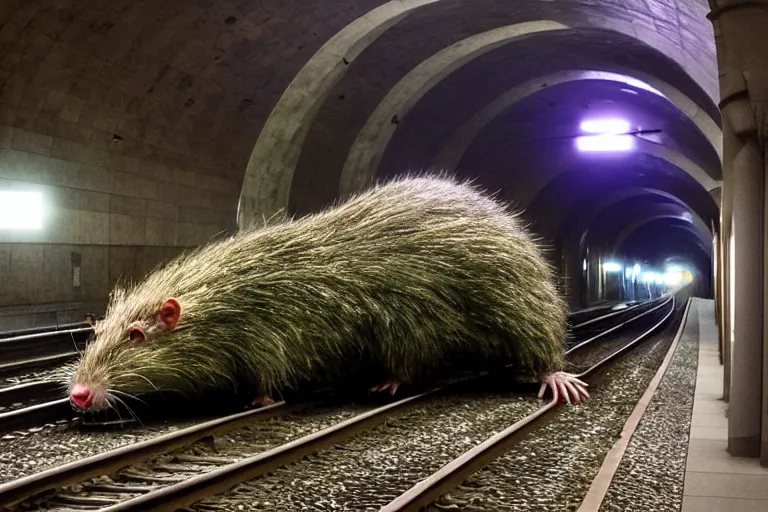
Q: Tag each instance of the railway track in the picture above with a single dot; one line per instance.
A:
(191, 467)
(31, 352)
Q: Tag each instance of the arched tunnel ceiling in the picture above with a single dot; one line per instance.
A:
(184, 103)
(534, 140)
(337, 130)
(584, 214)
(660, 240)
(592, 183)
(618, 222)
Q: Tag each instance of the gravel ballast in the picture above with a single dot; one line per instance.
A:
(259, 436)
(553, 468)
(60, 373)
(652, 472)
(39, 448)
(581, 360)
(379, 464)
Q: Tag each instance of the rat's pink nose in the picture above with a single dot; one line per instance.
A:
(81, 396)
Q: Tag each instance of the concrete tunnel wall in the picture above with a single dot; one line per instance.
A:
(146, 124)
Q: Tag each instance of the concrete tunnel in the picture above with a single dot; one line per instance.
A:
(146, 128)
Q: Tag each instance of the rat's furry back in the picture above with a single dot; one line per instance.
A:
(405, 276)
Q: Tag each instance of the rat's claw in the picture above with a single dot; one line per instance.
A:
(391, 384)
(567, 385)
(262, 400)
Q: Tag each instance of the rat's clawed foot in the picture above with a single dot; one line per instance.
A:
(262, 400)
(391, 384)
(565, 385)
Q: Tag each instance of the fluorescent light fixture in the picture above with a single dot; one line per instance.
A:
(21, 210)
(611, 266)
(605, 126)
(584, 264)
(605, 143)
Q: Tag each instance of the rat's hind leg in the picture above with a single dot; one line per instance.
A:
(391, 384)
(262, 400)
(565, 385)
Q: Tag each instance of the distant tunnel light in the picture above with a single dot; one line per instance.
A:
(612, 266)
(605, 126)
(605, 143)
(21, 210)
(673, 278)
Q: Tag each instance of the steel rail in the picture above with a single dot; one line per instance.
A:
(616, 327)
(36, 363)
(600, 307)
(45, 412)
(612, 314)
(109, 462)
(27, 391)
(456, 471)
(602, 481)
(18, 348)
(46, 329)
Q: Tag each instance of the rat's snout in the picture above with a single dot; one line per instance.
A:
(81, 396)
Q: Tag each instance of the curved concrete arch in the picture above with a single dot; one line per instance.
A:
(574, 234)
(596, 207)
(685, 164)
(273, 160)
(717, 194)
(455, 148)
(687, 235)
(274, 157)
(368, 148)
(700, 228)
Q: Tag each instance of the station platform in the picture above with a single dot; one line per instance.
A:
(715, 481)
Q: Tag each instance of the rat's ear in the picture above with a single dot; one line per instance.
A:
(169, 314)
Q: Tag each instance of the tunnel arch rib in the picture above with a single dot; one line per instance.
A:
(368, 148)
(452, 151)
(701, 229)
(266, 184)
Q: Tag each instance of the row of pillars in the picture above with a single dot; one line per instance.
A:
(585, 279)
(741, 243)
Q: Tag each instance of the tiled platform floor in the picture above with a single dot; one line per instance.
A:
(715, 481)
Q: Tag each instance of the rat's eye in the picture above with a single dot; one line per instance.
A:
(136, 334)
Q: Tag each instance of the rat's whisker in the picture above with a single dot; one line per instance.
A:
(130, 411)
(138, 375)
(72, 337)
(127, 395)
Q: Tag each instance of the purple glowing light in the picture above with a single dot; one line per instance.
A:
(605, 143)
(605, 126)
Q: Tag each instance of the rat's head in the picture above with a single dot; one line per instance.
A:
(135, 349)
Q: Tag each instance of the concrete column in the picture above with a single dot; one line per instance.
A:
(741, 39)
(726, 216)
(718, 292)
(600, 277)
(744, 422)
